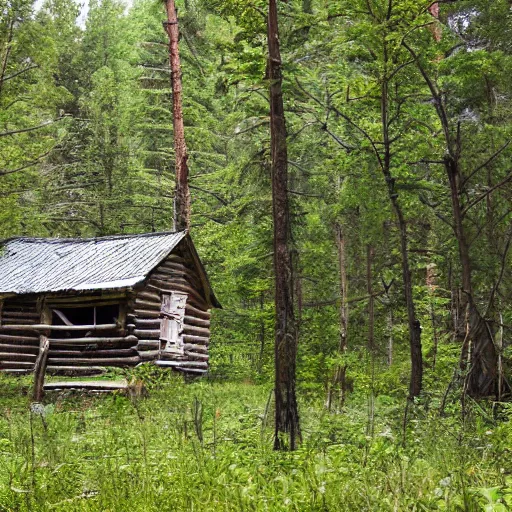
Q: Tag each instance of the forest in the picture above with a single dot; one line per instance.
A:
(350, 180)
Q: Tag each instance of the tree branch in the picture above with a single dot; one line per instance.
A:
(21, 71)
(342, 115)
(31, 129)
(26, 166)
(485, 164)
(500, 277)
(485, 194)
(220, 199)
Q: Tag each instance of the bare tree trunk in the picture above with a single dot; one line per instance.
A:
(431, 286)
(342, 372)
(482, 379)
(286, 410)
(339, 380)
(370, 253)
(390, 336)
(477, 343)
(262, 333)
(416, 380)
(182, 191)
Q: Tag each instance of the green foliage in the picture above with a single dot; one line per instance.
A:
(206, 446)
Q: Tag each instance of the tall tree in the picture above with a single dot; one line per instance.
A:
(453, 106)
(286, 410)
(182, 191)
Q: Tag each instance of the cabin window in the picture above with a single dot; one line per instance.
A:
(89, 317)
(172, 317)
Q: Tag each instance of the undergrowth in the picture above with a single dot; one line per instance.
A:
(207, 447)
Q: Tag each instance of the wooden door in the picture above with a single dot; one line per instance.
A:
(171, 323)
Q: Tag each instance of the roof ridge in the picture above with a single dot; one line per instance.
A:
(90, 239)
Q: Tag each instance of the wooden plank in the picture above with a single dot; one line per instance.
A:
(196, 355)
(201, 313)
(182, 364)
(20, 314)
(148, 345)
(198, 331)
(139, 303)
(43, 327)
(80, 300)
(25, 339)
(165, 273)
(141, 322)
(192, 320)
(16, 321)
(179, 265)
(109, 361)
(200, 340)
(108, 385)
(42, 358)
(16, 365)
(116, 352)
(192, 370)
(19, 349)
(203, 349)
(147, 295)
(88, 341)
(149, 355)
(144, 313)
(147, 333)
(13, 356)
(83, 370)
(172, 258)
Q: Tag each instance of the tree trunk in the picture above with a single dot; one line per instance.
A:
(370, 253)
(262, 332)
(482, 378)
(182, 191)
(435, 28)
(340, 373)
(416, 380)
(42, 358)
(342, 257)
(286, 410)
(478, 346)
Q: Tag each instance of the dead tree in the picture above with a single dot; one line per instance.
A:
(182, 191)
(340, 373)
(479, 355)
(286, 410)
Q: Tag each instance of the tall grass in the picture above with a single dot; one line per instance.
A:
(206, 447)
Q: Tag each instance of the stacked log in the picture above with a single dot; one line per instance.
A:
(19, 342)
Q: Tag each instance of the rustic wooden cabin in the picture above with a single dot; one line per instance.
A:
(75, 306)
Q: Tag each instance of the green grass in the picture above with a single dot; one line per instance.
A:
(111, 453)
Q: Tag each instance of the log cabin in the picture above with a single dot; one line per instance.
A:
(75, 306)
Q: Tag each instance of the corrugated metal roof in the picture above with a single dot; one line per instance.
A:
(37, 265)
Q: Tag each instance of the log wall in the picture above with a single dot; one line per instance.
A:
(19, 344)
(90, 348)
